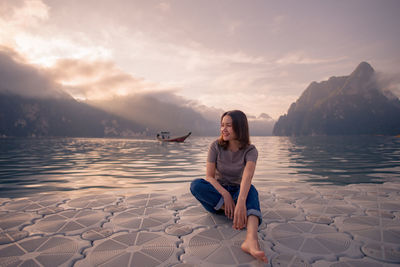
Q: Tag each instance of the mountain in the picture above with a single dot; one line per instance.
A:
(22, 116)
(347, 105)
(34, 104)
(156, 114)
(261, 125)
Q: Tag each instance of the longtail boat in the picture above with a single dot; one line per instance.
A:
(165, 137)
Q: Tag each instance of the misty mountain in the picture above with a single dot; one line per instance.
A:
(261, 125)
(179, 118)
(32, 103)
(58, 117)
(158, 115)
(347, 105)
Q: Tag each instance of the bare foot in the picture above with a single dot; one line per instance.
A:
(253, 248)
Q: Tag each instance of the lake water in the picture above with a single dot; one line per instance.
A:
(29, 166)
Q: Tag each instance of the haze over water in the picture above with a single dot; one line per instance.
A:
(30, 166)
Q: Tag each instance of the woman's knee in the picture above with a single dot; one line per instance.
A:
(253, 191)
(196, 184)
(253, 199)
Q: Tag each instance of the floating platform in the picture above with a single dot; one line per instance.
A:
(303, 225)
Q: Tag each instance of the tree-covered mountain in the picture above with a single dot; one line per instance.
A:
(60, 117)
(348, 105)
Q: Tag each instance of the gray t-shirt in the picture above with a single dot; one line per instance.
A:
(230, 165)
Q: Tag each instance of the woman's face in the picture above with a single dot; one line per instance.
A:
(227, 129)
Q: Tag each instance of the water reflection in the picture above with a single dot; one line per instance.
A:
(69, 164)
(345, 159)
(28, 166)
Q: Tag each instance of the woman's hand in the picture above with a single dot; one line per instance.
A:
(229, 205)
(240, 216)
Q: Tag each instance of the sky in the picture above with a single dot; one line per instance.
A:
(257, 55)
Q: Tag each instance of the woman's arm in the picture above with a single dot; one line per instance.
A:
(228, 201)
(240, 214)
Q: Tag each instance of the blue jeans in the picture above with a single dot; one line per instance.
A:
(212, 200)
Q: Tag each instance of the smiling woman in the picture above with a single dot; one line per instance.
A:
(227, 188)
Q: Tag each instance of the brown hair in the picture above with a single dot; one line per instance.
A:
(240, 127)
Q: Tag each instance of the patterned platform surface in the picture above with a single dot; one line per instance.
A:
(303, 225)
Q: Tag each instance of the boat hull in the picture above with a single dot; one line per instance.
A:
(176, 139)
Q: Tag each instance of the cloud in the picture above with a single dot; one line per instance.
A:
(23, 13)
(19, 77)
(389, 82)
(28, 27)
(82, 79)
(301, 58)
(46, 50)
(17, 16)
(88, 66)
(86, 79)
(164, 6)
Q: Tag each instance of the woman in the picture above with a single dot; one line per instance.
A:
(231, 163)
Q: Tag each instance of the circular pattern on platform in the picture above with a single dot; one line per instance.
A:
(285, 260)
(377, 189)
(68, 222)
(194, 211)
(42, 251)
(294, 193)
(389, 205)
(49, 210)
(382, 252)
(327, 207)
(92, 201)
(178, 229)
(33, 203)
(177, 206)
(97, 233)
(330, 210)
(371, 228)
(311, 240)
(271, 204)
(115, 208)
(375, 226)
(15, 220)
(281, 213)
(12, 236)
(347, 262)
(319, 219)
(198, 216)
(153, 219)
(378, 203)
(338, 193)
(363, 199)
(379, 213)
(133, 249)
(215, 246)
(187, 198)
(205, 219)
(148, 200)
